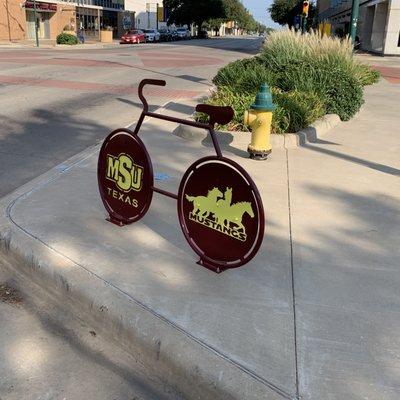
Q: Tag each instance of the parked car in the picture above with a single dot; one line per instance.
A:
(165, 35)
(183, 33)
(203, 35)
(134, 36)
(174, 34)
(152, 35)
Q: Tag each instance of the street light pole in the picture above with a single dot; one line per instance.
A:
(148, 15)
(78, 24)
(303, 24)
(355, 8)
(157, 17)
(36, 23)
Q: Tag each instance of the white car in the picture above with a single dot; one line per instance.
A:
(152, 35)
(183, 33)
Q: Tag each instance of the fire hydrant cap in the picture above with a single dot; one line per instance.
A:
(264, 100)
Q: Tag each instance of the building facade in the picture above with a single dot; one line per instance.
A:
(145, 13)
(378, 28)
(17, 22)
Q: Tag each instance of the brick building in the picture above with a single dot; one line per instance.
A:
(17, 17)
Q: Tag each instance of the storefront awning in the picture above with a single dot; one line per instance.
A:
(49, 7)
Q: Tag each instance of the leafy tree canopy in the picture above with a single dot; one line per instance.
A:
(194, 11)
(284, 11)
(235, 11)
(211, 12)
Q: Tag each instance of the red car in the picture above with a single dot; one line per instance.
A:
(135, 36)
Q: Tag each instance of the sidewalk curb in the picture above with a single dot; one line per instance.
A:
(311, 134)
(185, 366)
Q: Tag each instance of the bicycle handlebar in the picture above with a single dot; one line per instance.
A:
(156, 82)
(219, 115)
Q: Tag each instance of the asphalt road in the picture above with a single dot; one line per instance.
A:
(56, 102)
(41, 360)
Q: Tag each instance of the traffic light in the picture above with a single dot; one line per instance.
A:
(306, 4)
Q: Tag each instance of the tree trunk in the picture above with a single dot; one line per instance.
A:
(199, 24)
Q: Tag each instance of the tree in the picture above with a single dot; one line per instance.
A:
(214, 24)
(193, 11)
(235, 11)
(261, 28)
(284, 11)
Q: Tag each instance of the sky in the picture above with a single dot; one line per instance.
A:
(259, 10)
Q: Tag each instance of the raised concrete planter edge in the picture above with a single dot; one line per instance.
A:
(279, 141)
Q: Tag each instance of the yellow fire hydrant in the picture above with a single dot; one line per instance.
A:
(259, 118)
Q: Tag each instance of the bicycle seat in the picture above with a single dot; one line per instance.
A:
(218, 114)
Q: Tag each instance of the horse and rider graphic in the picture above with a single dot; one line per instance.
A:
(219, 205)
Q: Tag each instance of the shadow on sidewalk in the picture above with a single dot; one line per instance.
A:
(346, 280)
(369, 164)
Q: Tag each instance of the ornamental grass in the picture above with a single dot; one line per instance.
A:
(309, 75)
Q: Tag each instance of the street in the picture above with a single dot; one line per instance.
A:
(41, 360)
(57, 102)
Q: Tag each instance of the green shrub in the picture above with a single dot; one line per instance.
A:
(67, 38)
(310, 75)
(340, 90)
(295, 110)
(365, 74)
(245, 75)
(239, 101)
(312, 63)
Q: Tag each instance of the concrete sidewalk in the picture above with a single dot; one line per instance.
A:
(315, 314)
(345, 207)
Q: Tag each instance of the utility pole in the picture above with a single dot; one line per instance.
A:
(78, 23)
(157, 17)
(303, 24)
(36, 24)
(355, 8)
(148, 15)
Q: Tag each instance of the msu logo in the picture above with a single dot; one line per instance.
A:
(122, 170)
(126, 175)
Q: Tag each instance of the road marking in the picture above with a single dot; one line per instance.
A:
(97, 87)
(70, 62)
(165, 63)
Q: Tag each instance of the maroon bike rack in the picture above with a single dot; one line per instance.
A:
(219, 207)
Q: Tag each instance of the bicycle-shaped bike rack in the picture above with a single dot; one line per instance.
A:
(219, 207)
